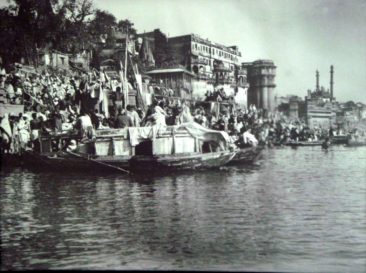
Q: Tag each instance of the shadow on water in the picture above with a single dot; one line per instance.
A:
(140, 177)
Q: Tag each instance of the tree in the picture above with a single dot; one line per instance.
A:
(77, 11)
(101, 24)
(11, 47)
(126, 25)
(32, 22)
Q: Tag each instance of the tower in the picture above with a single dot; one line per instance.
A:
(331, 82)
(317, 80)
(261, 76)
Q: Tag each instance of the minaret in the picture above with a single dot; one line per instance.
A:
(331, 82)
(317, 80)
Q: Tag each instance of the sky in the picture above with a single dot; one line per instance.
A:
(299, 36)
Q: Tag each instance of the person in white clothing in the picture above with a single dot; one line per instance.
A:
(159, 115)
(85, 126)
(249, 138)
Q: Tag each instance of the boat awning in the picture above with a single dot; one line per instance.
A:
(138, 134)
(202, 133)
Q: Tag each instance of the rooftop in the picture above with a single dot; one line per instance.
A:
(169, 70)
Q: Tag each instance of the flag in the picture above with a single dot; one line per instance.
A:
(102, 77)
(106, 77)
(95, 74)
(108, 81)
(105, 103)
(101, 94)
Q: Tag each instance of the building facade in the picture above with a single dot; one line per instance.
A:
(212, 64)
(177, 79)
(321, 106)
(54, 59)
(261, 78)
(209, 61)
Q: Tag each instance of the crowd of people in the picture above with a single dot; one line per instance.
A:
(57, 103)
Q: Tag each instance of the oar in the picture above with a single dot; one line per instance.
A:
(101, 163)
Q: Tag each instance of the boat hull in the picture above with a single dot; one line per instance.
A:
(136, 163)
(10, 160)
(355, 144)
(304, 143)
(72, 163)
(181, 162)
(340, 139)
(246, 155)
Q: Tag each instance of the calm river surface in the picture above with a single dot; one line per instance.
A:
(295, 210)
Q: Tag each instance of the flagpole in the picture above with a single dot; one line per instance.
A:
(125, 72)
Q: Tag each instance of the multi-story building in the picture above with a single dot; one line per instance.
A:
(261, 78)
(209, 61)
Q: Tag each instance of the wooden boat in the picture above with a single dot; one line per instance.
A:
(340, 139)
(356, 143)
(10, 160)
(187, 146)
(186, 161)
(74, 162)
(303, 143)
(246, 155)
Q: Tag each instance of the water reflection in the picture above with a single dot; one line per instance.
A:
(297, 210)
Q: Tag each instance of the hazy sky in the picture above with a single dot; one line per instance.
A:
(299, 36)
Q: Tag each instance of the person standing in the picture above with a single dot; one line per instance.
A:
(119, 99)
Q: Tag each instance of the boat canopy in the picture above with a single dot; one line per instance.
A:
(206, 135)
(193, 129)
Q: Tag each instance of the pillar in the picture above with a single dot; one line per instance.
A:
(264, 97)
(270, 102)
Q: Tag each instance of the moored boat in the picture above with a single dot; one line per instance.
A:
(356, 143)
(340, 139)
(304, 143)
(187, 146)
(246, 155)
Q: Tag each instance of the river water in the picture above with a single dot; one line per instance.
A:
(294, 210)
